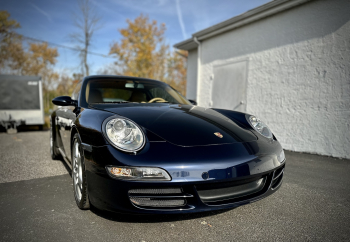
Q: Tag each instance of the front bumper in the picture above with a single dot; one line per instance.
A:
(235, 167)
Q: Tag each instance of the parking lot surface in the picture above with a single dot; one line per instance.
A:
(37, 204)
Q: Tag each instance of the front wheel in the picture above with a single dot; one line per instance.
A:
(79, 175)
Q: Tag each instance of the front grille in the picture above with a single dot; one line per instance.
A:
(234, 191)
(159, 198)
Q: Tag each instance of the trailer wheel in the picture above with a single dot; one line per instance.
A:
(55, 155)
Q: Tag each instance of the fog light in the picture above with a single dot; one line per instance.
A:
(138, 173)
(120, 171)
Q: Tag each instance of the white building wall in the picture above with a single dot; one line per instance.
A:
(298, 74)
(191, 86)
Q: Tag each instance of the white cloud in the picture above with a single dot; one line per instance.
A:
(179, 15)
(48, 16)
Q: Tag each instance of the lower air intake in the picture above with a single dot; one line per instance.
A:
(277, 178)
(210, 195)
(155, 202)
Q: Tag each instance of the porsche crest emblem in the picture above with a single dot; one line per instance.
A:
(218, 134)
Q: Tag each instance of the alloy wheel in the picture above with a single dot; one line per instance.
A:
(77, 172)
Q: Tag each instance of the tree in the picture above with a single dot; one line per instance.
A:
(177, 71)
(142, 51)
(7, 26)
(36, 59)
(87, 23)
(40, 58)
(39, 61)
(11, 50)
(66, 85)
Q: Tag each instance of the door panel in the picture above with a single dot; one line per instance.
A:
(59, 124)
(65, 124)
(70, 117)
(230, 86)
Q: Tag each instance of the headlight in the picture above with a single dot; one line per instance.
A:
(259, 126)
(138, 173)
(124, 134)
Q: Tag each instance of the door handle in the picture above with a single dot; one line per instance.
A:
(240, 103)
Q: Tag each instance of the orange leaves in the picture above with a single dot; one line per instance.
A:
(14, 57)
(177, 71)
(142, 51)
(7, 25)
(10, 44)
(43, 52)
(38, 60)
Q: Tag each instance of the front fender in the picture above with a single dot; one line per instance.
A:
(89, 126)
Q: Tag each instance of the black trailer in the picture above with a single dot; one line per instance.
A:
(21, 102)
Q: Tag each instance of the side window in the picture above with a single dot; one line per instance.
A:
(76, 91)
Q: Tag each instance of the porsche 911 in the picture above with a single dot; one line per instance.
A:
(136, 145)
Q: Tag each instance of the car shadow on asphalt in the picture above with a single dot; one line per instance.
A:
(27, 128)
(152, 218)
(69, 170)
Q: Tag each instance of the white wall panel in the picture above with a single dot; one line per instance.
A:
(298, 74)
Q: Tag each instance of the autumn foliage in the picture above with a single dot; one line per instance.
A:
(142, 52)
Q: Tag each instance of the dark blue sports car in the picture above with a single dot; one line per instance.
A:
(137, 145)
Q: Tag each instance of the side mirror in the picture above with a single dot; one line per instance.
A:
(64, 101)
(192, 101)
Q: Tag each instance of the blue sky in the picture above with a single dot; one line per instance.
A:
(52, 21)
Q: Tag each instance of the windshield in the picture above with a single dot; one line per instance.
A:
(135, 91)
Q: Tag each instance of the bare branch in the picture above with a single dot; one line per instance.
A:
(87, 21)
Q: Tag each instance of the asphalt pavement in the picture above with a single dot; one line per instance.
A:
(37, 204)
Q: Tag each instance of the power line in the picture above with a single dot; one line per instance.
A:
(64, 46)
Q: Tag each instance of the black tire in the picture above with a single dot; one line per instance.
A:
(55, 154)
(79, 175)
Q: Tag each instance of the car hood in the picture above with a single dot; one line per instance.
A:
(183, 125)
